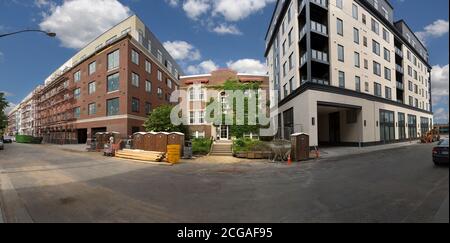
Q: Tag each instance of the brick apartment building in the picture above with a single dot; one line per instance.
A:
(111, 85)
(201, 88)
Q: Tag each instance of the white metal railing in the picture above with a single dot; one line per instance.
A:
(320, 28)
(319, 55)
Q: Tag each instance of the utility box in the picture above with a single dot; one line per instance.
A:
(300, 147)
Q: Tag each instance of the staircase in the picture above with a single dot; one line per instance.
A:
(222, 148)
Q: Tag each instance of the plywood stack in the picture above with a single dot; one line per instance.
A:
(141, 155)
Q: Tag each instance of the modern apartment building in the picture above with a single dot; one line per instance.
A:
(200, 89)
(22, 118)
(111, 85)
(346, 73)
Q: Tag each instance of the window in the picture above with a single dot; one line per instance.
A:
(339, 4)
(375, 27)
(356, 35)
(76, 93)
(92, 68)
(401, 126)
(341, 79)
(340, 27)
(284, 69)
(365, 41)
(357, 60)
(159, 75)
(366, 64)
(377, 89)
(387, 125)
(290, 37)
(385, 13)
(169, 83)
(148, 86)
(148, 67)
(411, 101)
(159, 56)
(169, 66)
(387, 74)
(135, 57)
(410, 71)
(201, 117)
(376, 47)
(91, 88)
(113, 82)
(410, 86)
(355, 11)
(284, 48)
(77, 76)
(112, 107)
(291, 84)
(341, 55)
(291, 61)
(388, 93)
(160, 93)
(386, 36)
(77, 112)
(366, 86)
(357, 83)
(412, 126)
(375, 4)
(113, 60)
(92, 109)
(289, 14)
(364, 20)
(191, 117)
(148, 108)
(387, 55)
(135, 105)
(135, 80)
(376, 68)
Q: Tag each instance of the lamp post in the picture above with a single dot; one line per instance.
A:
(50, 34)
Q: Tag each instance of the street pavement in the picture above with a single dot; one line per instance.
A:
(46, 184)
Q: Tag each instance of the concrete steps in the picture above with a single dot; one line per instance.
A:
(222, 148)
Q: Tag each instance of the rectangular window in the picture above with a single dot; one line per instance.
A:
(365, 41)
(341, 79)
(410, 86)
(91, 88)
(159, 56)
(148, 86)
(291, 61)
(376, 68)
(387, 74)
(355, 11)
(135, 57)
(366, 64)
(340, 27)
(169, 83)
(160, 93)
(77, 112)
(356, 35)
(92, 68)
(387, 55)
(113, 60)
(364, 20)
(358, 84)
(113, 82)
(375, 27)
(341, 55)
(376, 47)
(148, 108)
(135, 80)
(401, 126)
(92, 109)
(77, 76)
(159, 75)
(135, 105)
(377, 89)
(191, 117)
(388, 93)
(357, 60)
(290, 37)
(112, 107)
(386, 36)
(148, 67)
(77, 93)
(339, 4)
(284, 69)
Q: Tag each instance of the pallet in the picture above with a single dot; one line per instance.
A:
(140, 155)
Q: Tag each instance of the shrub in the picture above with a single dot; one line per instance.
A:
(248, 145)
(28, 139)
(201, 146)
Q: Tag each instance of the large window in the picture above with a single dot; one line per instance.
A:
(356, 35)
(135, 57)
(113, 60)
(135, 105)
(135, 80)
(375, 27)
(340, 4)
(377, 89)
(355, 11)
(387, 74)
(341, 55)
(148, 67)
(386, 35)
(113, 82)
(340, 27)
(424, 125)
(387, 126)
(401, 126)
(77, 112)
(92, 109)
(148, 86)
(388, 93)
(376, 47)
(412, 126)
(377, 68)
(76, 93)
(357, 83)
(92, 68)
(77, 76)
(357, 60)
(91, 88)
(112, 107)
(341, 79)
(387, 55)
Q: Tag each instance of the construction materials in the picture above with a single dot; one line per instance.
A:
(141, 155)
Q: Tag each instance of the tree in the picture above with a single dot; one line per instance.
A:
(3, 117)
(159, 121)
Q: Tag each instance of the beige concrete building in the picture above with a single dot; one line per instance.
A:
(346, 73)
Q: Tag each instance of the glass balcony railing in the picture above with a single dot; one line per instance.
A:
(400, 86)
(398, 52)
(319, 28)
(322, 3)
(319, 56)
(399, 68)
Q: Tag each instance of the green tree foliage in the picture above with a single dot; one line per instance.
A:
(159, 121)
(3, 106)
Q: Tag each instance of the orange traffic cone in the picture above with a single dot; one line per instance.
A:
(289, 160)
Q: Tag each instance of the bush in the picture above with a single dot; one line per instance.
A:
(201, 146)
(28, 139)
(249, 145)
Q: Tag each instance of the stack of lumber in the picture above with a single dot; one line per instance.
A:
(140, 155)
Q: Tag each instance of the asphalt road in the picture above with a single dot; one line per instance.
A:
(44, 184)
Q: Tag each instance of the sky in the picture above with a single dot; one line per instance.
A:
(201, 34)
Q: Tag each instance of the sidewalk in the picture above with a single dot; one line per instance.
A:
(331, 152)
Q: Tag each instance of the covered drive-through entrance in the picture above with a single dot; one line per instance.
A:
(339, 124)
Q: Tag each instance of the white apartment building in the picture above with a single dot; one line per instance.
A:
(347, 74)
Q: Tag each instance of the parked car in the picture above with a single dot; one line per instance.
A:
(1, 145)
(440, 152)
(7, 139)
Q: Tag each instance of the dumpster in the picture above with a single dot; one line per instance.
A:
(300, 147)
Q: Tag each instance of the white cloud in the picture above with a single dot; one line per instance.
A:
(435, 30)
(181, 50)
(224, 29)
(202, 68)
(250, 66)
(440, 84)
(441, 116)
(172, 3)
(77, 22)
(235, 10)
(196, 8)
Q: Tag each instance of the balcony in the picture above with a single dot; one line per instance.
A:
(317, 81)
(398, 52)
(319, 56)
(400, 86)
(319, 28)
(321, 3)
(399, 69)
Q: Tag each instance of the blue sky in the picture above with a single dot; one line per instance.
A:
(204, 34)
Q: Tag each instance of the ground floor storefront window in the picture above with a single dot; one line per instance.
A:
(387, 126)
(401, 126)
(412, 126)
